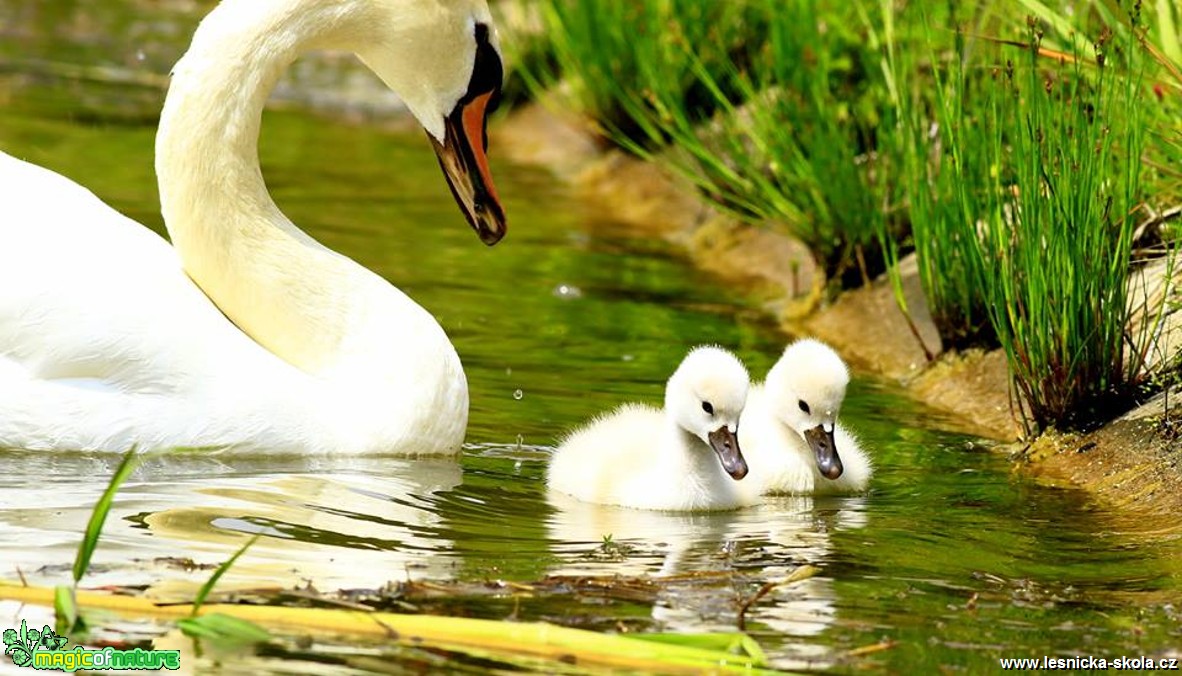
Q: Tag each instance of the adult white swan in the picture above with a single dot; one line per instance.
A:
(246, 332)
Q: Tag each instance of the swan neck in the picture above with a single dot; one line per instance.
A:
(287, 292)
(215, 104)
(371, 351)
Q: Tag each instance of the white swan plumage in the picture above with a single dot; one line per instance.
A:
(789, 431)
(245, 332)
(683, 458)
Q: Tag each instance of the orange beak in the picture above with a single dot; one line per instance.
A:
(464, 159)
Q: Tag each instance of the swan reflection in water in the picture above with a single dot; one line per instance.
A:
(350, 527)
(746, 547)
(330, 522)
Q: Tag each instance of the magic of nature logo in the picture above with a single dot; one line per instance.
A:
(44, 649)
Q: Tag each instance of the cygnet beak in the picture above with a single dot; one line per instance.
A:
(726, 445)
(825, 450)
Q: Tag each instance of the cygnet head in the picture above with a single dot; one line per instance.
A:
(805, 390)
(706, 396)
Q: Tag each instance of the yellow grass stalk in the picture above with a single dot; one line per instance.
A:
(535, 639)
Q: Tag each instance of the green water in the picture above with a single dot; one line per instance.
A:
(952, 559)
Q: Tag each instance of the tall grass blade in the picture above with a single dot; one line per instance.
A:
(733, 643)
(67, 620)
(221, 629)
(218, 627)
(203, 592)
(1169, 12)
(98, 516)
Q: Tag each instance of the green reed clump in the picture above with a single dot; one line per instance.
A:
(814, 164)
(611, 54)
(1058, 255)
(529, 54)
(1026, 217)
(1151, 31)
(949, 159)
(794, 140)
(770, 108)
(1017, 184)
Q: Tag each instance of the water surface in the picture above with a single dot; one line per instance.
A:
(951, 561)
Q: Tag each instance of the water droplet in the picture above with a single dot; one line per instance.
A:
(568, 291)
(518, 394)
(627, 357)
(517, 467)
(139, 55)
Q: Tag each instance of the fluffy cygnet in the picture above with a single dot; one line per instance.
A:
(789, 430)
(683, 458)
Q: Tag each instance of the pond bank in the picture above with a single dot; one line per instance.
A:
(1129, 464)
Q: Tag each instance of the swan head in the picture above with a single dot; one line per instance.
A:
(705, 396)
(805, 390)
(443, 59)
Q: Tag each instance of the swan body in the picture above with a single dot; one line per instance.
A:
(683, 458)
(789, 430)
(245, 332)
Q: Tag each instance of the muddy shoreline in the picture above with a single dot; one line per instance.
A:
(1130, 464)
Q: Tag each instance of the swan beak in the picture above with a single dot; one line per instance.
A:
(463, 157)
(726, 445)
(828, 461)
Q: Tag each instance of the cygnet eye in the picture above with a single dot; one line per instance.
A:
(708, 408)
(803, 406)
